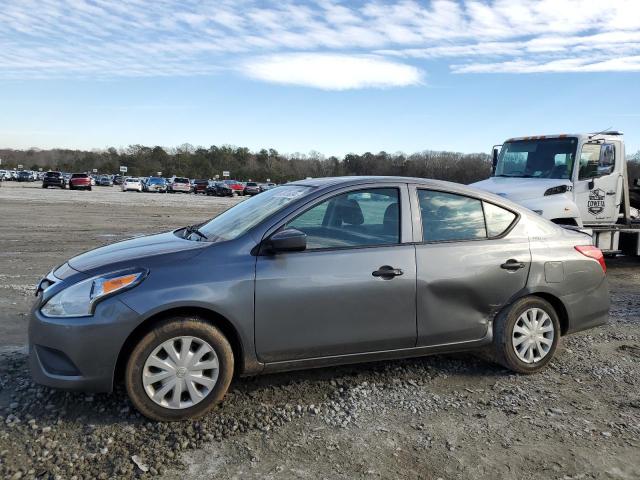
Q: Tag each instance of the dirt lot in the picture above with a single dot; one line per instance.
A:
(454, 416)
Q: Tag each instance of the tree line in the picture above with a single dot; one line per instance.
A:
(244, 164)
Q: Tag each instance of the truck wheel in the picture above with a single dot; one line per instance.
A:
(525, 336)
(179, 370)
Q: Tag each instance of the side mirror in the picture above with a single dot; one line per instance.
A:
(636, 182)
(591, 184)
(289, 240)
(494, 160)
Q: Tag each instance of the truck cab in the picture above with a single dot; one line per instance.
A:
(570, 179)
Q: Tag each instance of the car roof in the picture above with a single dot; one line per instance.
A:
(329, 182)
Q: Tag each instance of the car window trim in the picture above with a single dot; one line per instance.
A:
(403, 198)
(419, 237)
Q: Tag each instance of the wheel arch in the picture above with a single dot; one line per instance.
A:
(211, 316)
(557, 304)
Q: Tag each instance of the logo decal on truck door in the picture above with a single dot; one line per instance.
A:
(595, 204)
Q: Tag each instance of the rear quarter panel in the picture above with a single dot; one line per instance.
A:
(557, 268)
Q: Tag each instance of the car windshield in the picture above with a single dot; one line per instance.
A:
(239, 219)
(52, 174)
(180, 180)
(156, 180)
(79, 175)
(133, 180)
(537, 158)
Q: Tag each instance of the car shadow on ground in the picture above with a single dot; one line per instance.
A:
(21, 397)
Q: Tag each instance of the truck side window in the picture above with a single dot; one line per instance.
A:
(596, 160)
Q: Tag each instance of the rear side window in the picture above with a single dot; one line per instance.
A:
(498, 219)
(355, 219)
(449, 217)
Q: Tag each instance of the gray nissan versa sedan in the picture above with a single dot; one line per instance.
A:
(309, 274)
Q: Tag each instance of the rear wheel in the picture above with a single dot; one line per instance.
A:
(179, 370)
(526, 336)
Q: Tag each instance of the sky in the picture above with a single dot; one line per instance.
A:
(325, 75)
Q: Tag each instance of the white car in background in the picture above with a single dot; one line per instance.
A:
(132, 183)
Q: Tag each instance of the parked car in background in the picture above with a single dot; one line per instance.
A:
(117, 179)
(105, 181)
(236, 186)
(53, 179)
(80, 181)
(454, 267)
(156, 184)
(24, 176)
(179, 184)
(251, 188)
(132, 184)
(200, 186)
(267, 186)
(219, 189)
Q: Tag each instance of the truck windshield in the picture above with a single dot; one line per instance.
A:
(537, 158)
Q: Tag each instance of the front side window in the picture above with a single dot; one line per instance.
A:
(596, 160)
(355, 219)
(449, 217)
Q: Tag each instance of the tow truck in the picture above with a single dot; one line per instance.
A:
(579, 181)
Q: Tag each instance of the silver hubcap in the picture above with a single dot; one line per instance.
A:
(532, 336)
(180, 372)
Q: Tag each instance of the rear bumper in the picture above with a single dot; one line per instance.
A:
(79, 353)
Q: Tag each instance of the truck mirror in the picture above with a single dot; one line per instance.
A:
(591, 184)
(636, 182)
(494, 160)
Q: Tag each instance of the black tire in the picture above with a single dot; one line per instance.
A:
(89, 188)
(166, 330)
(44, 186)
(503, 326)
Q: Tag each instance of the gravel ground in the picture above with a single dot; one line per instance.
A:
(447, 416)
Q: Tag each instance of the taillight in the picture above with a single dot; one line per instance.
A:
(593, 252)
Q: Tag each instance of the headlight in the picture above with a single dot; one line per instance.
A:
(557, 190)
(79, 300)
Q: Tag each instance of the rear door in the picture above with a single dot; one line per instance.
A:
(471, 258)
(334, 298)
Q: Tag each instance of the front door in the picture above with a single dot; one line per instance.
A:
(327, 300)
(474, 257)
(598, 187)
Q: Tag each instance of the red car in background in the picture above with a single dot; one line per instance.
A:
(80, 181)
(236, 186)
(200, 186)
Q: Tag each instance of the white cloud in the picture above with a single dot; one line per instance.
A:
(332, 71)
(102, 38)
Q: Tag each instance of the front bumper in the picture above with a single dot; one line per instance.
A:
(79, 353)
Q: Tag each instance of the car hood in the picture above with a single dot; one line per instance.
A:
(135, 251)
(518, 189)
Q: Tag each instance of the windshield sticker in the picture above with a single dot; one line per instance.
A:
(286, 194)
(595, 204)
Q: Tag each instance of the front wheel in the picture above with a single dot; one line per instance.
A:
(179, 370)
(526, 336)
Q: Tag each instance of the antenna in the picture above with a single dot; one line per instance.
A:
(599, 133)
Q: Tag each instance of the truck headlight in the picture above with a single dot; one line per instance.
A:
(79, 300)
(556, 190)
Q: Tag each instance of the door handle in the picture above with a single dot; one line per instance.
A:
(512, 264)
(611, 192)
(387, 272)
